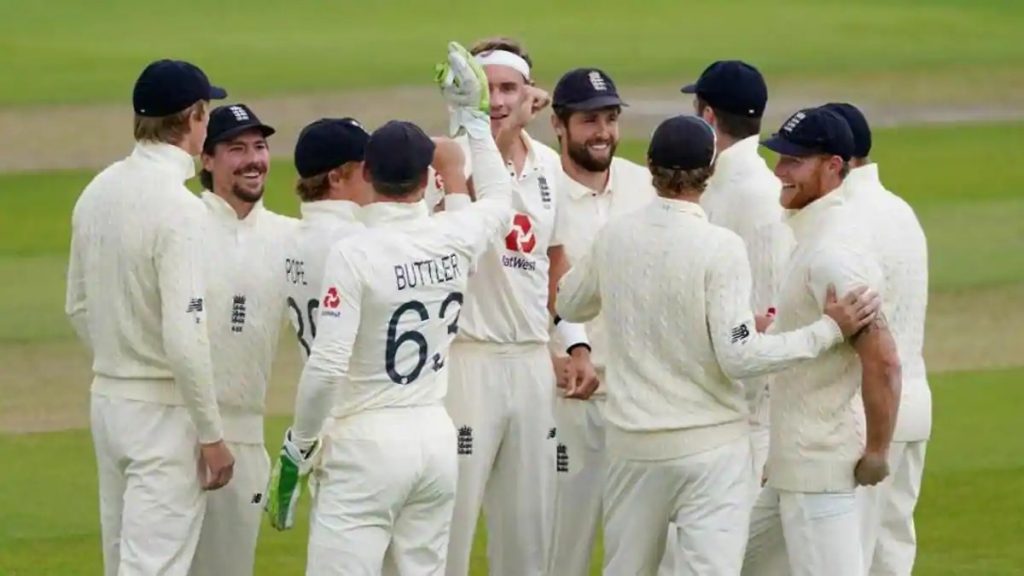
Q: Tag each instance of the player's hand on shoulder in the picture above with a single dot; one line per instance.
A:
(855, 310)
(216, 465)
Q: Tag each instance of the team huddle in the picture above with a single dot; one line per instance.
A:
(715, 365)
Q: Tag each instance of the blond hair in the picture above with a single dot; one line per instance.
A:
(170, 129)
(671, 183)
(316, 187)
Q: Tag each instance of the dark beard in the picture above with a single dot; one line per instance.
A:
(579, 154)
(246, 196)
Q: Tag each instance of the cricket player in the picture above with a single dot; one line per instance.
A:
(136, 296)
(245, 244)
(501, 379)
(594, 187)
(832, 418)
(391, 307)
(677, 289)
(331, 187)
(887, 510)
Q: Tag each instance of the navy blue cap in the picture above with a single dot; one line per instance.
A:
(398, 152)
(858, 125)
(328, 143)
(733, 86)
(586, 89)
(166, 87)
(682, 143)
(813, 131)
(226, 122)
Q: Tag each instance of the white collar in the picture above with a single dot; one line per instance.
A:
(684, 207)
(861, 179)
(737, 155)
(344, 210)
(223, 210)
(577, 190)
(169, 156)
(379, 213)
(805, 220)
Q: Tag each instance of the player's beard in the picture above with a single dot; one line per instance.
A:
(580, 154)
(248, 195)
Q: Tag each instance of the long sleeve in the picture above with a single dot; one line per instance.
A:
(75, 302)
(340, 314)
(741, 351)
(183, 310)
(579, 292)
(482, 221)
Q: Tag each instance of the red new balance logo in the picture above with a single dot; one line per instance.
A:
(520, 238)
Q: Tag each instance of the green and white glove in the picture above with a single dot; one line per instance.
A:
(292, 466)
(464, 87)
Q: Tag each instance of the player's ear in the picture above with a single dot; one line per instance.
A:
(557, 126)
(207, 161)
(366, 172)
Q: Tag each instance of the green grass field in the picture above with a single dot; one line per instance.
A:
(962, 179)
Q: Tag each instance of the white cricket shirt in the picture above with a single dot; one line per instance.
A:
(246, 307)
(393, 302)
(583, 212)
(136, 289)
(901, 248)
(675, 294)
(324, 223)
(743, 196)
(506, 302)
(817, 415)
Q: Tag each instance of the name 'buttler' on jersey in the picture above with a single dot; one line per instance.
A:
(392, 300)
(324, 223)
(509, 286)
(245, 299)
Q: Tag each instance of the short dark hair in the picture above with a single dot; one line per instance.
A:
(670, 182)
(399, 189)
(732, 125)
(206, 179)
(501, 43)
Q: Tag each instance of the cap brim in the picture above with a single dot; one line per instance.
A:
(689, 89)
(596, 103)
(229, 134)
(786, 148)
(218, 93)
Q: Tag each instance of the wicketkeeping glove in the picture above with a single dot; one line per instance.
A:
(292, 466)
(464, 87)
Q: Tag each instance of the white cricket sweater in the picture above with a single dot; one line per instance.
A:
(817, 415)
(675, 292)
(324, 223)
(246, 307)
(743, 196)
(393, 299)
(901, 248)
(136, 289)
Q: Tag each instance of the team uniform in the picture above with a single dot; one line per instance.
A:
(887, 510)
(501, 383)
(677, 296)
(393, 301)
(246, 307)
(817, 416)
(580, 427)
(136, 294)
(324, 223)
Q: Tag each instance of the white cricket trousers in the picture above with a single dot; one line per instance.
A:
(705, 495)
(759, 437)
(151, 500)
(580, 469)
(501, 398)
(887, 513)
(386, 478)
(818, 533)
(227, 540)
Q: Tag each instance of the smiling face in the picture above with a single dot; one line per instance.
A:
(239, 166)
(805, 179)
(590, 137)
(507, 89)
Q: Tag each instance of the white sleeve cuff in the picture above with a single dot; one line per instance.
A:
(571, 334)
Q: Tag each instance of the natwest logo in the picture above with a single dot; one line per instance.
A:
(521, 238)
(332, 300)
